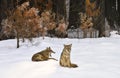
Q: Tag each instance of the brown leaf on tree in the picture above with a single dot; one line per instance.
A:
(91, 9)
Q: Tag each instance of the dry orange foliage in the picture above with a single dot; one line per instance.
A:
(91, 8)
(86, 22)
(61, 29)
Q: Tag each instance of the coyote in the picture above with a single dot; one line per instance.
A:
(65, 57)
(43, 55)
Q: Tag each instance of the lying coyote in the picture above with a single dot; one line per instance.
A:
(43, 55)
(65, 57)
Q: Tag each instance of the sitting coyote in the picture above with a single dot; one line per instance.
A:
(65, 57)
(43, 55)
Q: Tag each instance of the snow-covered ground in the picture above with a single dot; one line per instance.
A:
(96, 58)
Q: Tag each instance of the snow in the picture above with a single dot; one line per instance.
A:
(96, 58)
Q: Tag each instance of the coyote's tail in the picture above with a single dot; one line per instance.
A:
(74, 65)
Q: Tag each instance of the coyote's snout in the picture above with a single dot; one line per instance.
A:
(43, 55)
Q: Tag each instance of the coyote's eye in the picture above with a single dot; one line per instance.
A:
(52, 51)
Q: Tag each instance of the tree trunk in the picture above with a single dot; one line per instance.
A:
(18, 40)
(112, 13)
(119, 12)
(99, 21)
(76, 6)
(67, 4)
(59, 9)
(3, 7)
(23, 39)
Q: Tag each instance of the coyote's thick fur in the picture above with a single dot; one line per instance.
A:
(65, 57)
(43, 55)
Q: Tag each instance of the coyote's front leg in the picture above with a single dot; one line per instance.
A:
(53, 59)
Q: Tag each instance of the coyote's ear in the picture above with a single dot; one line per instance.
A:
(48, 48)
(70, 44)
